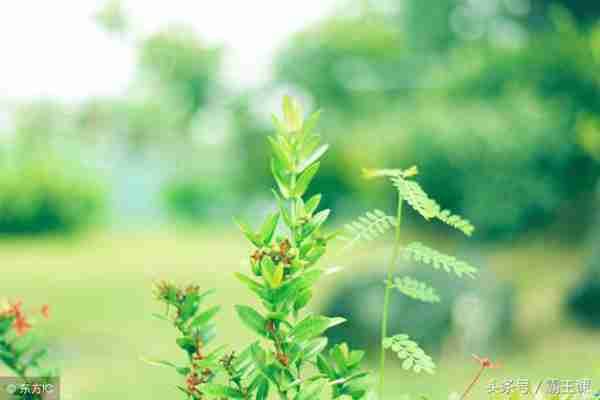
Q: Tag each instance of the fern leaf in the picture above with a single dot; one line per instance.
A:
(408, 350)
(416, 197)
(456, 221)
(414, 289)
(418, 252)
(369, 226)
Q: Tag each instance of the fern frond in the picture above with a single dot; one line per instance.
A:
(418, 252)
(416, 197)
(408, 350)
(369, 226)
(456, 221)
(416, 290)
(420, 201)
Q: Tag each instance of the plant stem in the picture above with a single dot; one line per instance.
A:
(388, 291)
(473, 382)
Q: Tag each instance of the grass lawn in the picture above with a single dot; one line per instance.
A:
(99, 287)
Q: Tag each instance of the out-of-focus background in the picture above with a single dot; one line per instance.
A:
(131, 132)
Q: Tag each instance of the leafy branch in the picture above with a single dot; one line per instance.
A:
(419, 200)
(285, 250)
(370, 227)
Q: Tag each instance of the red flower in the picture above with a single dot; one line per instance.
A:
(486, 362)
(21, 325)
(46, 311)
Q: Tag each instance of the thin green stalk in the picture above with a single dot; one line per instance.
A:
(388, 291)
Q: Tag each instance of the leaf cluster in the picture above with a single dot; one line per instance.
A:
(414, 289)
(414, 357)
(288, 359)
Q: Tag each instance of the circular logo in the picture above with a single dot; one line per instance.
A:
(11, 389)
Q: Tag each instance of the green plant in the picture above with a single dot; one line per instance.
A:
(377, 223)
(19, 351)
(546, 118)
(290, 358)
(46, 196)
(283, 272)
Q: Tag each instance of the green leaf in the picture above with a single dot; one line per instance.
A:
(268, 228)
(252, 319)
(305, 179)
(217, 390)
(314, 347)
(315, 156)
(419, 200)
(369, 227)
(253, 237)
(187, 343)
(358, 388)
(262, 393)
(205, 317)
(190, 306)
(310, 144)
(5, 325)
(416, 290)
(316, 222)
(418, 252)
(292, 112)
(162, 317)
(281, 153)
(311, 122)
(325, 367)
(23, 344)
(313, 326)
(250, 283)
(310, 391)
(272, 274)
(416, 197)
(280, 178)
(260, 359)
(456, 221)
(409, 351)
(312, 204)
(340, 353)
(283, 209)
(302, 299)
(355, 358)
(163, 363)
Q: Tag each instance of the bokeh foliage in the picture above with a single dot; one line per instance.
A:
(503, 117)
(497, 101)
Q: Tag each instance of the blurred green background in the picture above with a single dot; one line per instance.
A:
(496, 101)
